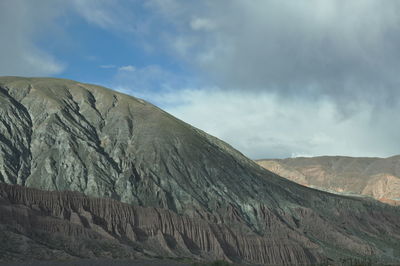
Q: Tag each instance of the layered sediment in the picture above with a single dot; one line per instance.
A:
(71, 225)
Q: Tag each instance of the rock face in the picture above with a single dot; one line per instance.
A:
(78, 226)
(200, 197)
(375, 177)
(66, 225)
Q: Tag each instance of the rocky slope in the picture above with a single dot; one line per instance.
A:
(69, 225)
(203, 199)
(375, 177)
(62, 225)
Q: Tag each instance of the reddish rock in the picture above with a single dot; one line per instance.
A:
(374, 177)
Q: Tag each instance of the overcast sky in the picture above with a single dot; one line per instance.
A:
(273, 78)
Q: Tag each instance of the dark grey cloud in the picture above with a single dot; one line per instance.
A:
(343, 50)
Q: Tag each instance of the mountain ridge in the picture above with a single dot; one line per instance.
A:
(374, 177)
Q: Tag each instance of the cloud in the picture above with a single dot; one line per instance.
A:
(149, 82)
(202, 24)
(128, 68)
(21, 22)
(28, 25)
(263, 125)
(107, 14)
(347, 51)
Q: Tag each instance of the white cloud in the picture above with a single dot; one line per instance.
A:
(264, 125)
(202, 24)
(128, 68)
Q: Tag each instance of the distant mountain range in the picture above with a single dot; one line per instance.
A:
(149, 185)
(375, 177)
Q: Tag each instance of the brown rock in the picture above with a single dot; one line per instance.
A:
(375, 177)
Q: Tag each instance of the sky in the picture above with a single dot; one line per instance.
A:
(273, 78)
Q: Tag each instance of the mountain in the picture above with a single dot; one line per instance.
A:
(375, 177)
(156, 186)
